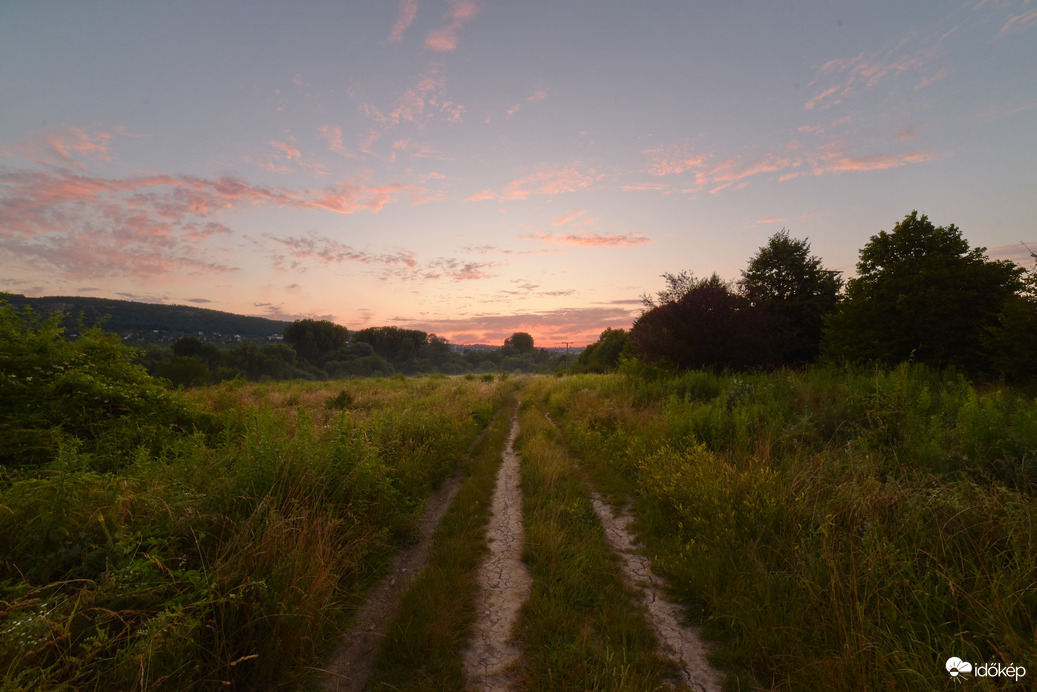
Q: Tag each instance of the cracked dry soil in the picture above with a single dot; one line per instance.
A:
(681, 642)
(504, 582)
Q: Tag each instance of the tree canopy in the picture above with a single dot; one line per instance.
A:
(922, 294)
(785, 279)
(703, 323)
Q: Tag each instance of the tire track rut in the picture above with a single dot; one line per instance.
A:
(351, 666)
(504, 582)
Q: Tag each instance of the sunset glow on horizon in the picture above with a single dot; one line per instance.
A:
(475, 168)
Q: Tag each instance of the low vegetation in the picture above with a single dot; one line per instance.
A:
(423, 647)
(228, 552)
(832, 529)
(582, 628)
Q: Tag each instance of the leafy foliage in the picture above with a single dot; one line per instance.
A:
(704, 324)
(605, 354)
(519, 343)
(784, 278)
(921, 294)
(89, 390)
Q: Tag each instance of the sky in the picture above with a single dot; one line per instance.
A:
(473, 168)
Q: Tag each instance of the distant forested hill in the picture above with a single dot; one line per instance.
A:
(149, 322)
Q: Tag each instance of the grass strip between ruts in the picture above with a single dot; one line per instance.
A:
(424, 644)
(582, 628)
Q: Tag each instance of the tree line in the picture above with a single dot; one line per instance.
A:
(320, 349)
(920, 294)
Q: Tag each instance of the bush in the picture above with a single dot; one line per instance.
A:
(88, 389)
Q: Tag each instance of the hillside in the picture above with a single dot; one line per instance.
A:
(149, 322)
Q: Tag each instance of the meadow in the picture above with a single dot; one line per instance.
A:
(829, 529)
(832, 529)
(231, 556)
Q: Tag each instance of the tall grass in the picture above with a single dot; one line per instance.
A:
(422, 649)
(832, 529)
(582, 627)
(223, 560)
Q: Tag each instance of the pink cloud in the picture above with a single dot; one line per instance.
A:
(592, 239)
(416, 105)
(674, 160)
(167, 221)
(296, 254)
(1018, 22)
(289, 151)
(408, 11)
(68, 147)
(569, 217)
(333, 134)
(551, 182)
(313, 248)
(444, 40)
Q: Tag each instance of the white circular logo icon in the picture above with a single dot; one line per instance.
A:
(955, 666)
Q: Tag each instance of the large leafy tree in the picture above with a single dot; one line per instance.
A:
(785, 279)
(313, 339)
(519, 343)
(605, 353)
(703, 323)
(922, 294)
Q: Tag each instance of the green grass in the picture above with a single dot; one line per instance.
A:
(582, 628)
(423, 646)
(832, 529)
(226, 559)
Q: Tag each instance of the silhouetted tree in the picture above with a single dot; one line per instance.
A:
(704, 324)
(921, 294)
(313, 338)
(604, 354)
(519, 343)
(785, 279)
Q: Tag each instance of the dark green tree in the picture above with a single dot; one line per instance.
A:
(703, 324)
(312, 339)
(921, 294)
(785, 279)
(605, 353)
(519, 343)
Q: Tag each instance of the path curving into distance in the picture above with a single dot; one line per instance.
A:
(681, 642)
(350, 668)
(503, 580)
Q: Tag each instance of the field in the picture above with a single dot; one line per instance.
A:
(830, 529)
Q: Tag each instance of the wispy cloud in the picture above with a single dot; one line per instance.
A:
(408, 11)
(550, 182)
(568, 217)
(591, 239)
(74, 146)
(333, 135)
(77, 224)
(831, 156)
(445, 39)
(299, 253)
(417, 106)
(914, 55)
(1019, 22)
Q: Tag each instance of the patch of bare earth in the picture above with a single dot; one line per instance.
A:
(351, 665)
(504, 582)
(681, 642)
